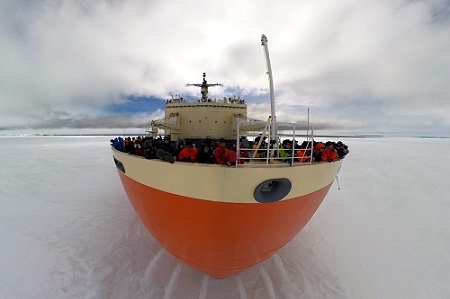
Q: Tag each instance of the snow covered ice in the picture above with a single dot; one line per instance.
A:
(68, 230)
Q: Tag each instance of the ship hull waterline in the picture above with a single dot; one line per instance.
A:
(220, 238)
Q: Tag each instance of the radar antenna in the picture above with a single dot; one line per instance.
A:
(204, 87)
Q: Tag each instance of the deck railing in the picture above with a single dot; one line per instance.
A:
(266, 150)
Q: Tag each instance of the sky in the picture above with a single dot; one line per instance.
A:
(363, 67)
(68, 229)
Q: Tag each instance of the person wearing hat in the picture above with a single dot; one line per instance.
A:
(244, 141)
(167, 145)
(205, 155)
(178, 150)
(244, 152)
(188, 154)
(342, 149)
(285, 151)
(259, 153)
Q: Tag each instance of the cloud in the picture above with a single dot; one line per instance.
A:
(356, 65)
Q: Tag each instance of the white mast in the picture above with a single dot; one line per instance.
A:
(274, 129)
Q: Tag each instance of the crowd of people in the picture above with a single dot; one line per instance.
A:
(224, 152)
(313, 151)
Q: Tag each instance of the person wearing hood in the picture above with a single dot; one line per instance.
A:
(221, 153)
(329, 154)
(205, 155)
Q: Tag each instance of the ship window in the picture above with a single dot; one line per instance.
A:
(174, 120)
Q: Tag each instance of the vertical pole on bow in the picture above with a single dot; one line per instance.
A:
(274, 129)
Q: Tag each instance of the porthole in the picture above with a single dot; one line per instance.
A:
(272, 190)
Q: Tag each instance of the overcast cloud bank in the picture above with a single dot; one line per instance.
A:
(372, 66)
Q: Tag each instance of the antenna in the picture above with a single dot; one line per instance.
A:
(204, 87)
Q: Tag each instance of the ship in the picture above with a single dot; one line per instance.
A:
(220, 219)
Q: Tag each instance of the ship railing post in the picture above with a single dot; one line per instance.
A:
(273, 140)
(269, 155)
(293, 145)
(312, 143)
(238, 145)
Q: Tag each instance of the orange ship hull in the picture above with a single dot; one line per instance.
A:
(222, 220)
(220, 238)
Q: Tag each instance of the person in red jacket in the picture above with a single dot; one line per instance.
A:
(188, 154)
(232, 156)
(221, 153)
(329, 154)
(318, 150)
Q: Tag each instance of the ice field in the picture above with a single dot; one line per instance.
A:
(68, 231)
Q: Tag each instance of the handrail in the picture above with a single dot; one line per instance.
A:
(296, 133)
